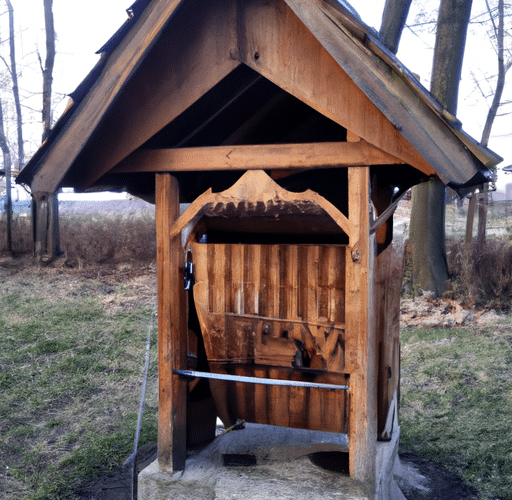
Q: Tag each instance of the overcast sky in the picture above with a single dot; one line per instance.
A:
(83, 27)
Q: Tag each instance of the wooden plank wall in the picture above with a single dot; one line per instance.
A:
(303, 408)
(296, 282)
(387, 287)
(275, 311)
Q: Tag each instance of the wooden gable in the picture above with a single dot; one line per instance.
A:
(160, 76)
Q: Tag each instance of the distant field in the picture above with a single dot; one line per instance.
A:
(94, 232)
(110, 206)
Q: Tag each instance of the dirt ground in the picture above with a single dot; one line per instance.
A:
(431, 481)
(435, 481)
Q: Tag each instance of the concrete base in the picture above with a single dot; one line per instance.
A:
(262, 462)
(386, 463)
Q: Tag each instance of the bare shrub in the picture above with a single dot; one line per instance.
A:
(21, 234)
(98, 238)
(92, 238)
(484, 277)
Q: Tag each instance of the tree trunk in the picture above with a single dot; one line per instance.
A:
(499, 31)
(469, 223)
(427, 238)
(393, 22)
(4, 146)
(3, 139)
(46, 213)
(482, 217)
(15, 88)
(48, 67)
(428, 251)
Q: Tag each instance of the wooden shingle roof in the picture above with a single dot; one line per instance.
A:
(188, 74)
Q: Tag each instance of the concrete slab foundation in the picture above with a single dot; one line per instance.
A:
(262, 462)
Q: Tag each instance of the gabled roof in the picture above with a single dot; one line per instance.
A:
(188, 73)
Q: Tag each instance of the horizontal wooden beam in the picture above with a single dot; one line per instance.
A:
(266, 157)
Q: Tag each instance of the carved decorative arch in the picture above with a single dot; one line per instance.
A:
(256, 196)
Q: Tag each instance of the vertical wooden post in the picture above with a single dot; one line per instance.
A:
(359, 337)
(172, 328)
(46, 227)
(53, 238)
(40, 218)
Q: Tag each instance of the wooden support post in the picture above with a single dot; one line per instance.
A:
(172, 328)
(40, 217)
(359, 336)
(46, 227)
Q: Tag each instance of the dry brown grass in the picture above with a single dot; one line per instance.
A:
(484, 277)
(94, 238)
(115, 237)
(21, 234)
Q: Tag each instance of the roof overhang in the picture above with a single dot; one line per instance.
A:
(176, 56)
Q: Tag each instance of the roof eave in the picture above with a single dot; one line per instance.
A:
(379, 74)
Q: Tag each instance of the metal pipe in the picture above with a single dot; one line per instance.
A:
(258, 380)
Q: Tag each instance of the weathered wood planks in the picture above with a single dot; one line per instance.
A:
(276, 311)
(320, 82)
(360, 334)
(304, 408)
(255, 196)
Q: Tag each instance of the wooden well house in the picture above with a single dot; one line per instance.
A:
(291, 133)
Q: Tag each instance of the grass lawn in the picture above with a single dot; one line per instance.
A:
(72, 350)
(456, 402)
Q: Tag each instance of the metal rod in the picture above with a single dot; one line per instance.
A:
(258, 380)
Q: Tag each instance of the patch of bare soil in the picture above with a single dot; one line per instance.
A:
(119, 484)
(421, 479)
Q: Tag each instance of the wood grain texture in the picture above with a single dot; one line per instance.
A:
(308, 71)
(360, 336)
(255, 195)
(174, 54)
(280, 323)
(386, 290)
(303, 408)
(255, 157)
(172, 329)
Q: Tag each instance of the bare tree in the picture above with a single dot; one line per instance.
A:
(15, 89)
(393, 22)
(498, 34)
(4, 146)
(47, 69)
(427, 232)
(46, 212)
